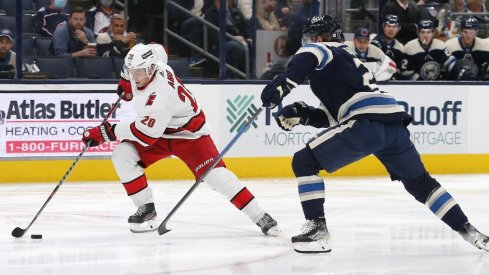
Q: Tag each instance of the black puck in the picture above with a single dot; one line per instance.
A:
(34, 236)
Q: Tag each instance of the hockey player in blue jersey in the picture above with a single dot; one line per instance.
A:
(360, 120)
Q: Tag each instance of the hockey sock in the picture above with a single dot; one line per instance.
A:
(139, 191)
(428, 191)
(225, 182)
(311, 186)
(311, 193)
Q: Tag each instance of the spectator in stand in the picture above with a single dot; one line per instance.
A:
(191, 29)
(266, 16)
(50, 17)
(301, 10)
(388, 43)
(282, 12)
(116, 41)
(7, 56)
(237, 26)
(73, 38)
(246, 8)
(471, 52)
(99, 16)
(408, 14)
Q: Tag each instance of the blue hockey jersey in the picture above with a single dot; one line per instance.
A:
(343, 84)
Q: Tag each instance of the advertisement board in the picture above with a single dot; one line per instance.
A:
(49, 124)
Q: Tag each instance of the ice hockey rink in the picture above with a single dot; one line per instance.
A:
(376, 228)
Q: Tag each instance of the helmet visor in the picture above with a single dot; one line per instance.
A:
(137, 73)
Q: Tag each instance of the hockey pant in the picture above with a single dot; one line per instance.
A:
(130, 159)
(346, 143)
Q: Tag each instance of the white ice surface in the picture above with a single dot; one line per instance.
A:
(376, 228)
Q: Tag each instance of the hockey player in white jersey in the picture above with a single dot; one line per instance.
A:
(169, 122)
(378, 63)
(471, 52)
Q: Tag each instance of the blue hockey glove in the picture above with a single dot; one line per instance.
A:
(293, 114)
(276, 90)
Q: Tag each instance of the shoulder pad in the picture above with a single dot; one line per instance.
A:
(320, 51)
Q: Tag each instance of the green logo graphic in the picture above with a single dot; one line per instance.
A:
(239, 110)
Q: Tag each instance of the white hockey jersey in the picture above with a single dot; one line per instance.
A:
(165, 109)
(377, 62)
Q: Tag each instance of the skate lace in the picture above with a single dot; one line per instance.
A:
(309, 226)
(140, 211)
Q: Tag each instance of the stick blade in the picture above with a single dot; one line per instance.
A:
(18, 232)
(162, 229)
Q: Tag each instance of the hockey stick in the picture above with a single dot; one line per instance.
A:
(19, 232)
(162, 228)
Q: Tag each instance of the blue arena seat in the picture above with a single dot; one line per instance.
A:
(180, 66)
(9, 22)
(43, 46)
(94, 67)
(28, 46)
(117, 63)
(56, 66)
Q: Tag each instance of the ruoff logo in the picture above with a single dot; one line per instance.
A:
(147, 54)
(239, 110)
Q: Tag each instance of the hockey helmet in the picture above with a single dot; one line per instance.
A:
(141, 58)
(325, 25)
(391, 19)
(426, 25)
(469, 22)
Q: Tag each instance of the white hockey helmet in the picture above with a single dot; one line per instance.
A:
(141, 57)
(160, 52)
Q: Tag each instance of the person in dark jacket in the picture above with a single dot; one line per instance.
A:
(408, 14)
(50, 17)
(237, 27)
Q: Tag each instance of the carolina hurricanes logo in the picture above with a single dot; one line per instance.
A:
(150, 100)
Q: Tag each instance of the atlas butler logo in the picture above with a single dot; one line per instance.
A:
(239, 110)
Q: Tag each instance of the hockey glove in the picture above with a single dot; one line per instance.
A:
(98, 135)
(125, 88)
(276, 90)
(293, 114)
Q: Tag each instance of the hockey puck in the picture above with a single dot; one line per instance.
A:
(34, 236)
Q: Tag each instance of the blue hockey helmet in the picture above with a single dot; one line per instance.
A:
(426, 25)
(391, 19)
(469, 22)
(324, 25)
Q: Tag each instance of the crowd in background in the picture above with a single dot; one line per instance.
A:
(101, 29)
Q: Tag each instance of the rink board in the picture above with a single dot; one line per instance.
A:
(41, 124)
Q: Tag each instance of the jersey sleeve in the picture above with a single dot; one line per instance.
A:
(320, 51)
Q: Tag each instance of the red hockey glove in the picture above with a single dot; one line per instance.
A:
(99, 134)
(124, 88)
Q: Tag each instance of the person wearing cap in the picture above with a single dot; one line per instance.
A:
(387, 42)
(372, 57)
(428, 58)
(471, 52)
(50, 17)
(7, 56)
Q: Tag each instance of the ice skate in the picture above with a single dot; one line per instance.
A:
(314, 237)
(268, 225)
(144, 220)
(473, 236)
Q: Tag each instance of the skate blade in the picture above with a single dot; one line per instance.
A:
(320, 246)
(147, 226)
